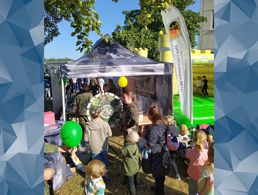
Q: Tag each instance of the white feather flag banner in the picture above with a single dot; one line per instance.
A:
(181, 51)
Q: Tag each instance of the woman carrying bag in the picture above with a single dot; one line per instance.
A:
(156, 142)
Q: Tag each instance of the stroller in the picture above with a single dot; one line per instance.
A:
(182, 151)
(183, 146)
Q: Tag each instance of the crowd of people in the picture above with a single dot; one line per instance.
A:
(155, 147)
(96, 85)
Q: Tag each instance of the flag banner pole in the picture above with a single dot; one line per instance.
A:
(181, 51)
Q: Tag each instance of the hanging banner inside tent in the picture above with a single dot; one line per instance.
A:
(181, 51)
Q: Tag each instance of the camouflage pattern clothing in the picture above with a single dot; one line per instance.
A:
(130, 117)
(80, 106)
(46, 188)
(50, 148)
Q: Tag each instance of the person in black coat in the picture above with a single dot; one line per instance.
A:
(172, 131)
(204, 86)
(156, 142)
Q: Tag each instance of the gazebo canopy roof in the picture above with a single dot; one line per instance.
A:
(110, 59)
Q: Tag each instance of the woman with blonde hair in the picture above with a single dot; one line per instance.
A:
(197, 156)
(206, 183)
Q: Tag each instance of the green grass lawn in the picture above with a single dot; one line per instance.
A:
(203, 110)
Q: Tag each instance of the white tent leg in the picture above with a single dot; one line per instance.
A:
(63, 99)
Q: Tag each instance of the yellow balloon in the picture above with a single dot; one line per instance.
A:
(122, 82)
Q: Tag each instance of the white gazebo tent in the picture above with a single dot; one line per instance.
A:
(110, 59)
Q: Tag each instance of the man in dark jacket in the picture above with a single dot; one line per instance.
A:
(130, 117)
(205, 86)
(80, 103)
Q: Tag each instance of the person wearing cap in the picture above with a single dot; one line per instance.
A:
(131, 157)
(97, 133)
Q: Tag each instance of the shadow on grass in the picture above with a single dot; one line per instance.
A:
(75, 186)
(145, 182)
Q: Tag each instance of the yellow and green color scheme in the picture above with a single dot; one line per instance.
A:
(202, 65)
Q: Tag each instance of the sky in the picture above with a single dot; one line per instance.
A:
(110, 14)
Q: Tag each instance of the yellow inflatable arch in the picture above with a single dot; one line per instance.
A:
(202, 64)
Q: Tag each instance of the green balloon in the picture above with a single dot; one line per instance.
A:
(71, 134)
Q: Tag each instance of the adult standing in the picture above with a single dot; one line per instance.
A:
(205, 86)
(130, 116)
(172, 132)
(94, 86)
(98, 131)
(155, 142)
(47, 87)
(80, 103)
(80, 83)
(74, 85)
(101, 82)
(112, 87)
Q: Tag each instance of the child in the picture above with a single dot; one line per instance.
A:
(131, 157)
(208, 129)
(76, 160)
(197, 156)
(183, 135)
(172, 131)
(94, 184)
(171, 124)
(206, 183)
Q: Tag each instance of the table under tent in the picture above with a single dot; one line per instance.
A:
(150, 80)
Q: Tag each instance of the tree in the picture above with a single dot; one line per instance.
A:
(51, 60)
(141, 27)
(80, 13)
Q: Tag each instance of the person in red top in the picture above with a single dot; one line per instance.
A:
(197, 156)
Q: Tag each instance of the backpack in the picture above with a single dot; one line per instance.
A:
(172, 142)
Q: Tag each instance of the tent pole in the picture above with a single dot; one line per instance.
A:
(63, 99)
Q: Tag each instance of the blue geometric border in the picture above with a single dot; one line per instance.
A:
(236, 97)
(21, 97)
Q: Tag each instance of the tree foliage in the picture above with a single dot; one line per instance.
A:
(141, 27)
(50, 60)
(80, 13)
(140, 30)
